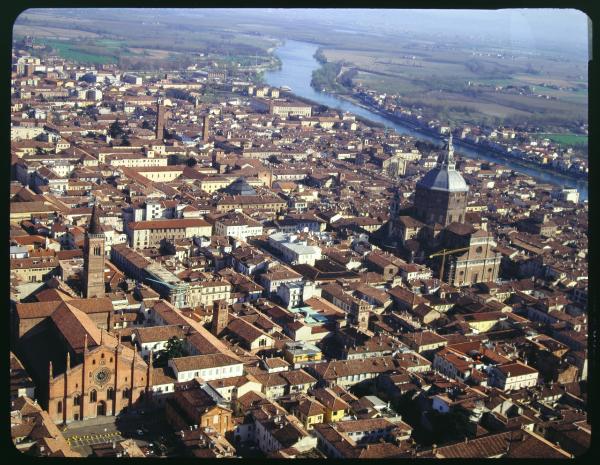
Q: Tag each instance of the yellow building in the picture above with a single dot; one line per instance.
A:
(212, 184)
(310, 412)
(300, 351)
(206, 292)
(149, 233)
(34, 269)
(336, 408)
(484, 321)
(20, 211)
(266, 202)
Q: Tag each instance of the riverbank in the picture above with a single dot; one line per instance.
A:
(308, 101)
(433, 134)
(298, 63)
(459, 142)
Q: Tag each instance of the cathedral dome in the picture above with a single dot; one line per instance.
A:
(444, 176)
(443, 180)
(240, 187)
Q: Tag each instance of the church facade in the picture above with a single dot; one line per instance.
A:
(82, 371)
(478, 263)
(435, 230)
(105, 381)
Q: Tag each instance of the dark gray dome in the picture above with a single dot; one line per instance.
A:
(240, 187)
(444, 176)
(440, 179)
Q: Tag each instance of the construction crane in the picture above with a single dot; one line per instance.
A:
(443, 254)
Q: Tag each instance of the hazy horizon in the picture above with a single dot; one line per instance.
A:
(523, 28)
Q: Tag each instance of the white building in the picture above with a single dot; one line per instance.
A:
(511, 376)
(294, 294)
(208, 367)
(155, 338)
(271, 433)
(94, 94)
(566, 195)
(149, 233)
(294, 251)
(132, 79)
(237, 225)
(291, 294)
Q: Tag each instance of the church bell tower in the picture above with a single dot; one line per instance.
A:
(220, 318)
(93, 258)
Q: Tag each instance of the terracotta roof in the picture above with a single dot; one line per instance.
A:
(516, 369)
(342, 368)
(296, 377)
(73, 324)
(171, 224)
(45, 309)
(276, 362)
(163, 375)
(159, 333)
(510, 444)
(200, 362)
(330, 399)
(244, 330)
(310, 407)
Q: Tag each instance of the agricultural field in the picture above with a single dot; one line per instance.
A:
(575, 140)
(474, 86)
(80, 53)
(162, 30)
(143, 39)
(95, 51)
(150, 53)
(55, 32)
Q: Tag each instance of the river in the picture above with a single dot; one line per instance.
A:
(297, 65)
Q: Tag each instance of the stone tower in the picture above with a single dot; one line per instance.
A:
(205, 128)
(441, 195)
(220, 317)
(266, 176)
(160, 119)
(360, 315)
(93, 258)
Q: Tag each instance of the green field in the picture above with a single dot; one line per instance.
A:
(81, 53)
(566, 139)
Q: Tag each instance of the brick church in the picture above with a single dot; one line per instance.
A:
(80, 369)
(97, 376)
(436, 229)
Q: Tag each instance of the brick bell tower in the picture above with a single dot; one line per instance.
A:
(220, 318)
(93, 258)
(160, 119)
